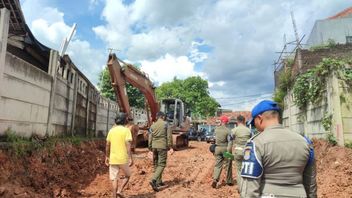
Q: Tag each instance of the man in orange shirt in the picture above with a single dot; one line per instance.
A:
(118, 153)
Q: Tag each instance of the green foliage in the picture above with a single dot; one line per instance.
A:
(309, 87)
(105, 86)
(331, 139)
(289, 62)
(22, 146)
(331, 43)
(279, 96)
(347, 77)
(300, 88)
(193, 91)
(19, 145)
(135, 97)
(326, 122)
(285, 83)
(348, 144)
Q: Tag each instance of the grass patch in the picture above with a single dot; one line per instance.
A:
(331, 139)
(348, 144)
(22, 146)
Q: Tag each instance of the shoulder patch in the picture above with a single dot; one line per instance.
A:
(251, 166)
(311, 151)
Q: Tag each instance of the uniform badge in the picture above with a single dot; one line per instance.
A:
(247, 154)
(251, 165)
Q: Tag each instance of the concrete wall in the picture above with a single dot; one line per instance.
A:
(337, 102)
(346, 111)
(335, 29)
(25, 100)
(57, 100)
(307, 122)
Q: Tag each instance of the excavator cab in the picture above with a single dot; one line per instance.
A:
(174, 110)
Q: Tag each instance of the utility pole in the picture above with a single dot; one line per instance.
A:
(112, 49)
(299, 57)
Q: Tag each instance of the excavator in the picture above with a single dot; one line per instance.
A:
(174, 109)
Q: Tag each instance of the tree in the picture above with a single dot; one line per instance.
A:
(194, 91)
(135, 97)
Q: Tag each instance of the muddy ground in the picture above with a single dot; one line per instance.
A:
(79, 171)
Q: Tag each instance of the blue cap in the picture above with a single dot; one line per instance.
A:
(265, 105)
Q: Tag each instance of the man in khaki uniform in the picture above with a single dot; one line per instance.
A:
(159, 142)
(241, 135)
(277, 162)
(223, 141)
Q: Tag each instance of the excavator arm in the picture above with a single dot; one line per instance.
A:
(120, 75)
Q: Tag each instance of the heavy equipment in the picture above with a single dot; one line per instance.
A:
(173, 108)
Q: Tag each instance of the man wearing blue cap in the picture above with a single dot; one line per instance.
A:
(277, 162)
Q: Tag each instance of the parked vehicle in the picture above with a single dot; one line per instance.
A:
(210, 137)
(199, 135)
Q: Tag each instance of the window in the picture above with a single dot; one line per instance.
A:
(348, 39)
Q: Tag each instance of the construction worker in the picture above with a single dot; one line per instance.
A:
(223, 141)
(159, 142)
(118, 154)
(277, 162)
(241, 135)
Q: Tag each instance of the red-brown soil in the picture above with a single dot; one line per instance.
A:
(79, 171)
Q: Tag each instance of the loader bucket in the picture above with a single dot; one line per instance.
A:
(180, 141)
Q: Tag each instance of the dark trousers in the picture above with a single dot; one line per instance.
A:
(159, 161)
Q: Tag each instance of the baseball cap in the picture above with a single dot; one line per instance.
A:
(224, 119)
(263, 106)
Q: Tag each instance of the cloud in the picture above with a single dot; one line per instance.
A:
(89, 60)
(195, 54)
(48, 26)
(50, 34)
(94, 3)
(167, 67)
(46, 23)
(167, 37)
(243, 35)
(116, 32)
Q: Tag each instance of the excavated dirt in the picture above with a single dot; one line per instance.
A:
(79, 171)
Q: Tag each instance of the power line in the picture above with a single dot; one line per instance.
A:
(249, 100)
(244, 96)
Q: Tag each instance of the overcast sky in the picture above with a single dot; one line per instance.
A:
(231, 43)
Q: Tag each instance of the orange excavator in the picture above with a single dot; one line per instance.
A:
(173, 108)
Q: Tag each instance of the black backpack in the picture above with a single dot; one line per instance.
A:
(212, 148)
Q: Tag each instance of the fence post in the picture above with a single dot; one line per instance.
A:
(53, 66)
(336, 123)
(4, 31)
(74, 105)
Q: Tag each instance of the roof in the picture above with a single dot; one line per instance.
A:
(17, 21)
(22, 42)
(345, 13)
(231, 115)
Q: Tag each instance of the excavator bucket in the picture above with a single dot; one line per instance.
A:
(180, 141)
(142, 139)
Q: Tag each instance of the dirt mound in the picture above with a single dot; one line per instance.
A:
(79, 171)
(334, 167)
(58, 172)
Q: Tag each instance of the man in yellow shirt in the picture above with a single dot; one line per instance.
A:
(118, 153)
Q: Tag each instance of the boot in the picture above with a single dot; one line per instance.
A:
(154, 185)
